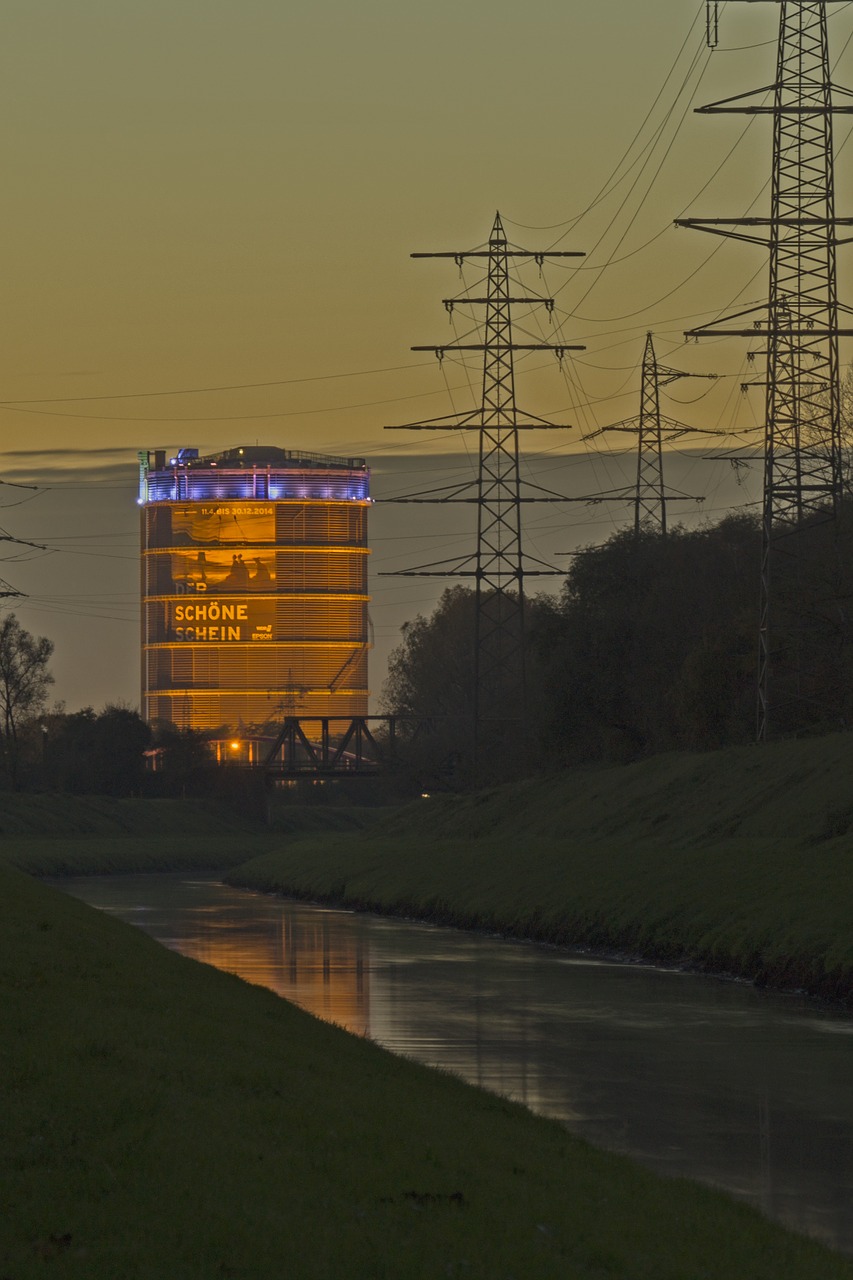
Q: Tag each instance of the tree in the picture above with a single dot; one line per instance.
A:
(24, 682)
(96, 754)
(431, 672)
(431, 678)
(185, 764)
(652, 647)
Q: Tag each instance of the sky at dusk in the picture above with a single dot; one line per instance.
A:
(202, 197)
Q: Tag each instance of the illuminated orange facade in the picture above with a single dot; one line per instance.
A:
(254, 587)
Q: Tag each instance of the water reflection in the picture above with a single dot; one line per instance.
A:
(692, 1076)
(302, 955)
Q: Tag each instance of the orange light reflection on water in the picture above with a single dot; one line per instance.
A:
(322, 969)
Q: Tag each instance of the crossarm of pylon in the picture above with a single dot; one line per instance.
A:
(726, 103)
(545, 423)
(630, 426)
(510, 253)
(477, 426)
(770, 331)
(445, 421)
(699, 224)
(759, 220)
(423, 495)
(501, 346)
(434, 568)
(760, 307)
(677, 495)
(547, 495)
(607, 495)
(548, 568)
(738, 105)
(539, 488)
(624, 424)
(725, 227)
(428, 573)
(682, 428)
(672, 375)
(462, 299)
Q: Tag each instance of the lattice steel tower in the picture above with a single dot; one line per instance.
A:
(498, 565)
(649, 495)
(802, 448)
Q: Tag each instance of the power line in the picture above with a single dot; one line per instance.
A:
(236, 386)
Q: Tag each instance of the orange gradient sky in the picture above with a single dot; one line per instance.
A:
(204, 194)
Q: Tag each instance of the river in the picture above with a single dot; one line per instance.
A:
(690, 1075)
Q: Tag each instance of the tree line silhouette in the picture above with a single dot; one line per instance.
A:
(651, 646)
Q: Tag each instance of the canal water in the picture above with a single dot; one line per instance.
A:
(690, 1075)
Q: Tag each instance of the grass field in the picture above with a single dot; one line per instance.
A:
(29, 814)
(736, 860)
(53, 835)
(164, 1121)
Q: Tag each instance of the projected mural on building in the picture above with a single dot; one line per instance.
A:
(254, 587)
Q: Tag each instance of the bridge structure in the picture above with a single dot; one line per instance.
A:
(337, 746)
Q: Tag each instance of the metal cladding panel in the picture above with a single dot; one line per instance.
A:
(254, 607)
(282, 667)
(199, 524)
(255, 570)
(230, 710)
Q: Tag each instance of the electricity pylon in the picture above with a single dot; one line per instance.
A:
(802, 443)
(498, 564)
(649, 494)
(650, 499)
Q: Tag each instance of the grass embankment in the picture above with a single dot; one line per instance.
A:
(738, 861)
(303, 820)
(164, 1119)
(91, 835)
(98, 835)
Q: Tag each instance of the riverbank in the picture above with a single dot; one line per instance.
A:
(733, 861)
(169, 1120)
(56, 835)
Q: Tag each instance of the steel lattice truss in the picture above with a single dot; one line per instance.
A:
(650, 500)
(803, 438)
(649, 495)
(499, 638)
(802, 447)
(498, 565)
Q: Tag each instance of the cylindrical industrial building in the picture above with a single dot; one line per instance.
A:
(254, 588)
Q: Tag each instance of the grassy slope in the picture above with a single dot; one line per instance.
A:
(94, 835)
(739, 860)
(292, 819)
(55, 835)
(26, 814)
(167, 1120)
(84, 835)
